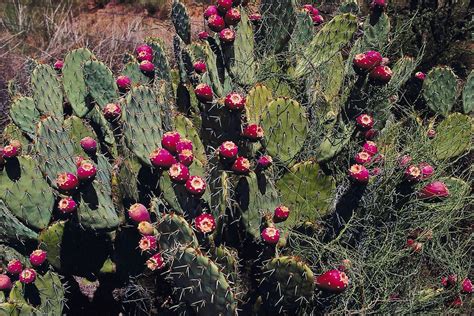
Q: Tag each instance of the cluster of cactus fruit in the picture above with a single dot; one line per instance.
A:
(182, 171)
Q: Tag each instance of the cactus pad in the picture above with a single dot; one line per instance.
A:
(25, 115)
(468, 94)
(174, 231)
(51, 240)
(181, 22)
(100, 82)
(439, 90)
(453, 136)
(11, 229)
(277, 24)
(257, 101)
(47, 91)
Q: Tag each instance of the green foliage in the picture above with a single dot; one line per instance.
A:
(453, 137)
(440, 90)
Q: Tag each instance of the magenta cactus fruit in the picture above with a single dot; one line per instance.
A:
(145, 56)
(232, 17)
(67, 181)
(200, 67)
(466, 286)
(255, 17)
(415, 246)
(147, 66)
(404, 160)
(281, 213)
(234, 101)
(178, 173)
(5, 282)
(138, 213)
(195, 185)
(147, 243)
(378, 4)
(264, 162)
(112, 111)
(427, 170)
(161, 158)
(58, 64)
(27, 276)
(144, 48)
(203, 35)
(363, 158)
(431, 133)
(420, 76)
(216, 23)
(271, 235)
(333, 281)
(228, 150)
(169, 140)
(370, 147)
(224, 5)
(205, 223)
(436, 189)
(317, 19)
(359, 173)
(253, 132)
(67, 205)
(210, 10)
(186, 157)
(87, 170)
(204, 93)
(14, 267)
(184, 144)
(380, 75)
(241, 166)
(366, 61)
(78, 160)
(38, 257)
(145, 228)
(413, 173)
(89, 145)
(365, 121)
(155, 262)
(308, 8)
(227, 35)
(123, 82)
(10, 151)
(370, 134)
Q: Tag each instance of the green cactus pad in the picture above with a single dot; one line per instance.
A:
(73, 80)
(285, 126)
(227, 258)
(104, 129)
(132, 70)
(303, 32)
(277, 24)
(51, 240)
(174, 231)
(334, 142)
(162, 67)
(468, 94)
(186, 129)
(12, 132)
(199, 283)
(213, 73)
(25, 115)
(376, 36)
(181, 22)
(440, 90)
(55, 149)
(8, 253)
(306, 191)
(329, 79)
(129, 170)
(100, 82)
(142, 123)
(11, 229)
(402, 71)
(329, 40)
(288, 284)
(257, 102)
(25, 192)
(453, 136)
(47, 91)
(77, 130)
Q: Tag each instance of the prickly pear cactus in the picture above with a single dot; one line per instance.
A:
(440, 90)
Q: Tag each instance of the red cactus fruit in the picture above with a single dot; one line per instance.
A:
(227, 35)
(404, 160)
(449, 281)
(333, 281)
(271, 235)
(420, 75)
(234, 101)
(78, 160)
(375, 171)
(205, 223)
(216, 23)
(138, 213)
(228, 150)
(371, 134)
(145, 228)
(38, 257)
(67, 181)
(431, 133)
(178, 173)
(195, 185)
(367, 61)
(112, 111)
(380, 75)
(161, 158)
(365, 121)
(58, 64)
(436, 189)
(87, 170)
(363, 158)
(241, 166)
(210, 10)
(145, 56)
(67, 205)
(281, 213)
(89, 145)
(255, 17)
(466, 286)
(224, 5)
(264, 162)
(200, 67)
(203, 35)
(232, 17)
(378, 4)
(155, 262)
(413, 173)
(10, 151)
(370, 147)
(5, 282)
(14, 267)
(184, 144)
(427, 170)
(123, 82)
(28, 276)
(144, 48)
(186, 157)
(204, 93)
(253, 132)
(359, 173)
(415, 246)
(147, 66)
(170, 140)
(147, 243)
(317, 19)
